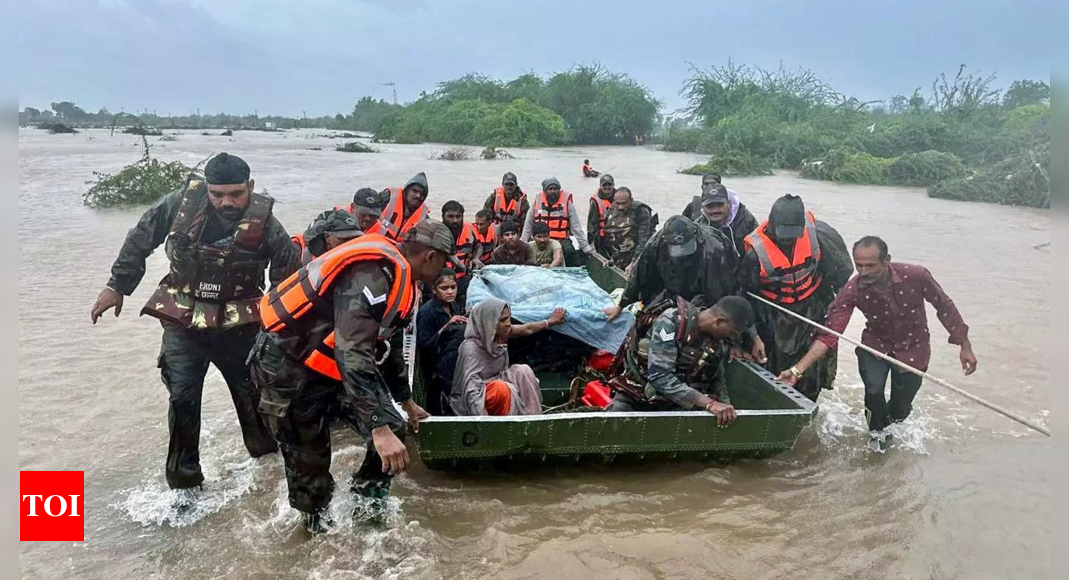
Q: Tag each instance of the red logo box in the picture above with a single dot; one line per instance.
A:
(51, 506)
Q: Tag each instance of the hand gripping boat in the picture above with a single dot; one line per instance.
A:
(770, 414)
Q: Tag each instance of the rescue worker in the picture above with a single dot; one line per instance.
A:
(220, 237)
(508, 201)
(721, 209)
(330, 338)
(883, 287)
(466, 245)
(600, 203)
(678, 359)
(367, 208)
(327, 231)
(486, 236)
(628, 226)
(556, 209)
(799, 263)
(406, 207)
(682, 260)
(588, 171)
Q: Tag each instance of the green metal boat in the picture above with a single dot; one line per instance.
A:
(770, 417)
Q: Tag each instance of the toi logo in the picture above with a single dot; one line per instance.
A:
(51, 506)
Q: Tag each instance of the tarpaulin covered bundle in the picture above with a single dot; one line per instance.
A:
(532, 293)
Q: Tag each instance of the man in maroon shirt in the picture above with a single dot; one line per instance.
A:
(891, 295)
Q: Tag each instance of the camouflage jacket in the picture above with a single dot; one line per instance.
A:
(683, 365)
(154, 226)
(626, 233)
(709, 272)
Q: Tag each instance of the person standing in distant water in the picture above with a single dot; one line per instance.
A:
(588, 171)
(799, 263)
(508, 202)
(891, 295)
(512, 250)
(220, 238)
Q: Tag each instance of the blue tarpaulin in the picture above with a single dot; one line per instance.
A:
(532, 293)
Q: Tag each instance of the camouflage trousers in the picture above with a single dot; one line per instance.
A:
(299, 406)
(184, 358)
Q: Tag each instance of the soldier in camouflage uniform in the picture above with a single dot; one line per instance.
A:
(628, 226)
(679, 361)
(352, 324)
(220, 237)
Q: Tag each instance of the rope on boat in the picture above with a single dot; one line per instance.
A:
(905, 367)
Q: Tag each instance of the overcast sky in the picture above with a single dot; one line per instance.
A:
(320, 56)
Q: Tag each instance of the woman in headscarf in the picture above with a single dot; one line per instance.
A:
(484, 382)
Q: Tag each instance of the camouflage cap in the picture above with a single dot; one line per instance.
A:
(433, 234)
(336, 221)
(607, 178)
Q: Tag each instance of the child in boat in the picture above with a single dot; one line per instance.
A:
(439, 332)
(484, 383)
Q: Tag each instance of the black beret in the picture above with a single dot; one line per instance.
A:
(226, 169)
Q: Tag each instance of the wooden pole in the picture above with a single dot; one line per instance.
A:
(905, 367)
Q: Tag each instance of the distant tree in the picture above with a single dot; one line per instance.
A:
(965, 95)
(1026, 92)
(917, 104)
(69, 111)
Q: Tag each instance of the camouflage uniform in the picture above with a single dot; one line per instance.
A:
(626, 233)
(199, 329)
(675, 363)
(299, 403)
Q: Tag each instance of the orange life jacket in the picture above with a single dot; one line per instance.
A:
(488, 241)
(784, 280)
(464, 246)
(393, 222)
(557, 217)
(603, 206)
(505, 207)
(306, 290)
(306, 254)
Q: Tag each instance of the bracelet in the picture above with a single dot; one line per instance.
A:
(797, 373)
(546, 322)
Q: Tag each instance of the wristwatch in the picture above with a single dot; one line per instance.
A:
(797, 373)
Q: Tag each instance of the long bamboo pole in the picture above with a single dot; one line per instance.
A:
(1009, 414)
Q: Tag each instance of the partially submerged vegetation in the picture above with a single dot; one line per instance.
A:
(142, 130)
(733, 165)
(139, 183)
(491, 153)
(453, 154)
(965, 140)
(57, 128)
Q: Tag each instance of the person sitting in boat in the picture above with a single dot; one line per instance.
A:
(589, 171)
(439, 331)
(512, 250)
(484, 383)
(679, 361)
(543, 251)
(327, 231)
(628, 226)
(367, 209)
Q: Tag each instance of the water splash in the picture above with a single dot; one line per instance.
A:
(151, 503)
(841, 422)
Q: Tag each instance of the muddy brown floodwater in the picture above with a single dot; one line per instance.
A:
(963, 493)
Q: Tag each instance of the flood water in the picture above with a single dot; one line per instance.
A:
(963, 493)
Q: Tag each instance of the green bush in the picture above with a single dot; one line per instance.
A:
(142, 130)
(142, 182)
(732, 165)
(1020, 179)
(682, 139)
(925, 168)
(849, 166)
(355, 147)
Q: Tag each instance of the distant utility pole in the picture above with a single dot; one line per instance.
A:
(394, 86)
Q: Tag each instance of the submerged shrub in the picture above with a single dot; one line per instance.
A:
(142, 182)
(925, 168)
(732, 164)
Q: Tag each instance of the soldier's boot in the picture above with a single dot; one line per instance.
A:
(372, 498)
(316, 523)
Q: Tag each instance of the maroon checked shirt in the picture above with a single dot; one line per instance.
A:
(896, 321)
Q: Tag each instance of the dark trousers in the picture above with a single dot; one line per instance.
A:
(904, 386)
(184, 358)
(299, 406)
(572, 256)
